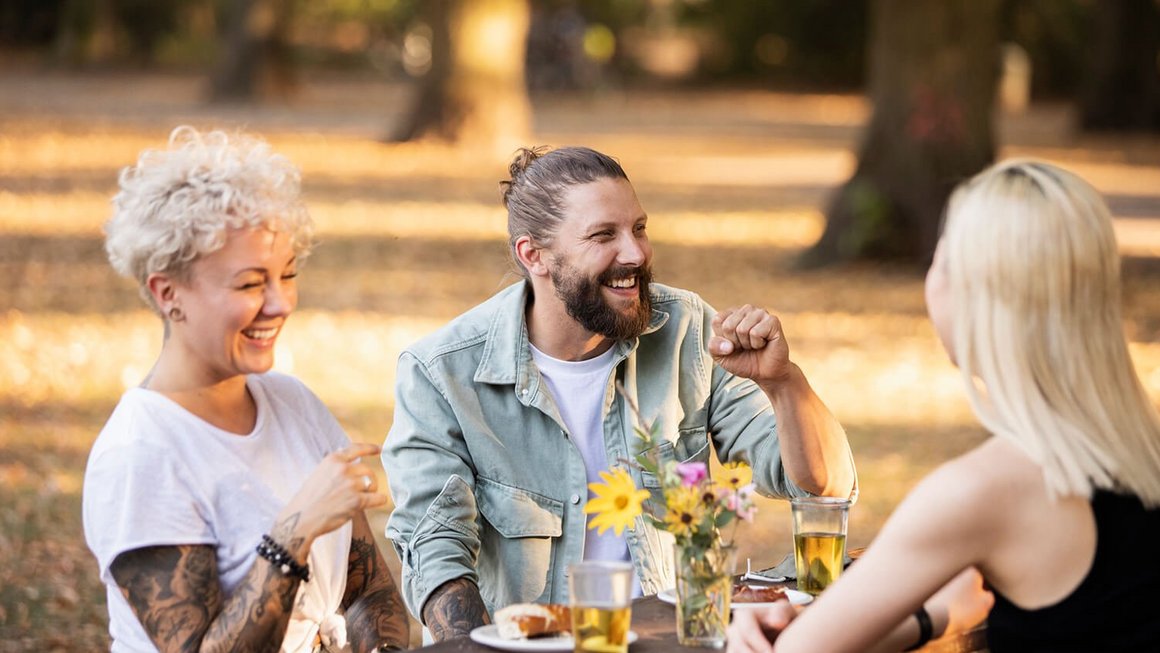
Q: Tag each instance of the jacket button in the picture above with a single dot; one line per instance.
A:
(575, 499)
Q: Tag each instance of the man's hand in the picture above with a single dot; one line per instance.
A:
(454, 610)
(748, 342)
(753, 631)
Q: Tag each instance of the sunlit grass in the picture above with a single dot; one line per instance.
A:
(83, 213)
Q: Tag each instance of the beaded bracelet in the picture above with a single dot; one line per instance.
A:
(272, 551)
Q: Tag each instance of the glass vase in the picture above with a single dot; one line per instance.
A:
(704, 588)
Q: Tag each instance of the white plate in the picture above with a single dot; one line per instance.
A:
(795, 597)
(489, 636)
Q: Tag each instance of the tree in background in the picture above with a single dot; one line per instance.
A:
(475, 91)
(256, 61)
(102, 32)
(933, 73)
(1121, 90)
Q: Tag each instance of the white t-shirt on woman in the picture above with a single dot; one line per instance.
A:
(159, 475)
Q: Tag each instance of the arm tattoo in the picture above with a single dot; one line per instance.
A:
(375, 614)
(173, 590)
(175, 593)
(362, 569)
(454, 610)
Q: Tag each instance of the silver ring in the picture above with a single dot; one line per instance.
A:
(366, 482)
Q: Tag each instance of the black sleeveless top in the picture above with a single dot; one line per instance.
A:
(1115, 608)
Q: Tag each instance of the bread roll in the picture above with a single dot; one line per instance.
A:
(524, 620)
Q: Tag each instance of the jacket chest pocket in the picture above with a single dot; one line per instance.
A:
(517, 543)
(691, 445)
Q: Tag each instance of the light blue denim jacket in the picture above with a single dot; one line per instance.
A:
(487, 483)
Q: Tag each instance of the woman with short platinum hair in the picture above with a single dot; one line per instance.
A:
(224, 503)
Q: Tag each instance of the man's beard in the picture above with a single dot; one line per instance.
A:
(585, 303)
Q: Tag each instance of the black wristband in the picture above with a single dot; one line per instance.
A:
(925, 628)
(283, 561)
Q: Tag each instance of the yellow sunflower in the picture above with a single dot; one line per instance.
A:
(736, 475)
(684, 510)
(617, 502)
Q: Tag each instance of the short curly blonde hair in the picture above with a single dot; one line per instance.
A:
(177, 204)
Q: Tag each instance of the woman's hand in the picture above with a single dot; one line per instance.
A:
(340, 487)
(753, 631)
(964, 600)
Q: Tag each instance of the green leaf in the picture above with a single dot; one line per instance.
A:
(695, 603)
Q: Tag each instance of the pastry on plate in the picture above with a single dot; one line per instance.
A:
(527, 620)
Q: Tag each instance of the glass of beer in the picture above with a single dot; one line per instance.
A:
(819, 541)
(601, 602)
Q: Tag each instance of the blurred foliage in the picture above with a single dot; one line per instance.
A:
(798, 43)
(808, 41)
(1054, 34)
(29, 22)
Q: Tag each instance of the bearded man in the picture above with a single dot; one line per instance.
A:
(504, 416)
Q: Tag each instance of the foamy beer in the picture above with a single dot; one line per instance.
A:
(819, 541)
(601, 602)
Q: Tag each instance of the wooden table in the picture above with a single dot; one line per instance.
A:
(655, 623)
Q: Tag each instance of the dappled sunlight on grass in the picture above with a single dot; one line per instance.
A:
(84, 212)
(768, 170)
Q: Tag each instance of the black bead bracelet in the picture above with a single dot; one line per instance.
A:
(272, 551)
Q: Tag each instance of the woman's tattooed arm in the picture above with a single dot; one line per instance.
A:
(175, 593)
(375, 614)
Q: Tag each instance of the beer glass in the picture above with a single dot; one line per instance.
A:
(601, 602)
(819, 541)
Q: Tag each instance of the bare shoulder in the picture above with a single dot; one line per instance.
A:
(968, 500)
(995, 471)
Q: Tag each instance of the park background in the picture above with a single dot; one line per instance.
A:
(791, 154)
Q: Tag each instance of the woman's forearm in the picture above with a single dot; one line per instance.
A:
(257, 613)
(375, 614)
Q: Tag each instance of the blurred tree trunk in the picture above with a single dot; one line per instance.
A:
(475, 92)
(256, 60)
(103, 39)
(933, 73)
(1121, 89)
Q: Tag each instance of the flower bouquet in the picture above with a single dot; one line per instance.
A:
(696, 509)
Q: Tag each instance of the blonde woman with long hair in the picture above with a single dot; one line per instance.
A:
(1055, 511)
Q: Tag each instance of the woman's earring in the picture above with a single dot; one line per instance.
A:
(175, 314)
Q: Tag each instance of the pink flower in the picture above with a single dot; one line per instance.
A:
(748, 513)
(692, 473)
(745, 507)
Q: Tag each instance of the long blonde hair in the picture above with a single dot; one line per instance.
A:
(1034, 274)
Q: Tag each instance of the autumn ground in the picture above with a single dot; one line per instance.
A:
(413, 235)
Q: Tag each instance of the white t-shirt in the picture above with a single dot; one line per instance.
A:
(159, 475)
(578, 388)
